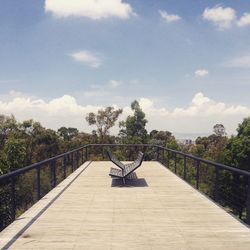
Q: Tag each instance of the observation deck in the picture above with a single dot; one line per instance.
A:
(158, 210)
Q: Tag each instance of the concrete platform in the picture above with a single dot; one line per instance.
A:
(157, 211)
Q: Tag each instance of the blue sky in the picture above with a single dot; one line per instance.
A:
(163, 53)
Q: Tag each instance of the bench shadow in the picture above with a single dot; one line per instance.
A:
(139, 182)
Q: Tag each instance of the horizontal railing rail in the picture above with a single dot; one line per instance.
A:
(212, 163)
(218, 181)
(17, 172)
(36, 165)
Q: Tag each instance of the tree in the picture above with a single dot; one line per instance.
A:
(164, 138)
(67, 133)
(8, 129)
(104, 120)
(133, 129)
(211, 147)
(14, 154)
(41, 143)
(8, 124)
(237, 152)
(219, 129)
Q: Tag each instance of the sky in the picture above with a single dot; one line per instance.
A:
(186, 62)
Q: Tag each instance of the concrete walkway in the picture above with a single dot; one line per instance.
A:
(157, 211)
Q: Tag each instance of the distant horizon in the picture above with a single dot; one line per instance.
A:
(115, 130)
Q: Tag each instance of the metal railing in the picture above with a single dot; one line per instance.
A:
(229, 187)
(11, 183)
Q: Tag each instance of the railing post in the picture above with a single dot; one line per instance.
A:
(82, 156)
(86, 153)
(175, 162)
(248, 203)
(168, 159)
(64, 166)
(129, 154)
(77, 158)
(198, 174)
(157, 154)
(53, 171)
(72, 162)
(185, 168)
(216, 184)
(163, 157)
(13, 199)
(38, 183)
(103, 154)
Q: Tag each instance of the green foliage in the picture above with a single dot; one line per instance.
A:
(133, 129)
(211, 147)
(8, 125)
(244, 128)
(172, 144)
(163, 138)
(237, 152)
(14, 153)
(104, 120)
(219, 130)
(198, 150)
(67, 133)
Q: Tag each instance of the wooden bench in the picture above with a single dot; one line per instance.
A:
(125, 169)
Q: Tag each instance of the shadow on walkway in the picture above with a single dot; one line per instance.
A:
(140, 182)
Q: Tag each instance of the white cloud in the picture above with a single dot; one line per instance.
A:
(199, 99)
(87, 57)
(146, 103)
(201, 72)
(244, 20)
(222, 17)
(197, 117)
(62, 111)
(239, 62)
(94, 9)
(169, 17)
(203, 106)
(114, 83)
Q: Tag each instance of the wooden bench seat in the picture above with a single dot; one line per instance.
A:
(115, 172)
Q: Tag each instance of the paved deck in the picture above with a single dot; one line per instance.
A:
(158, 211)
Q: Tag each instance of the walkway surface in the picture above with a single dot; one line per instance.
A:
(157, 211)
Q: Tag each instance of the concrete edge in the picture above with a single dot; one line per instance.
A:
(11, 233)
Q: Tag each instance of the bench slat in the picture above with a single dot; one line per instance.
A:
(115, 172)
